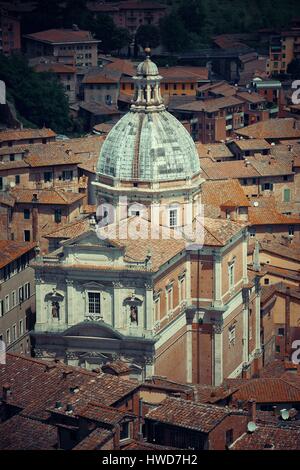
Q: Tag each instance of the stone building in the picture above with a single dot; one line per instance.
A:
(126, 291)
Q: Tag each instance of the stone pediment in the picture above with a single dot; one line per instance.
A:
(97, 329)
(89, 238)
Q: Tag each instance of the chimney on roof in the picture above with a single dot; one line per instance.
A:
(252, 410)
(6, 392)
(66, 373)
(69, 409)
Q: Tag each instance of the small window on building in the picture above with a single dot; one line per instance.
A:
(231, 335)
(17, 179)
(277, 348)
(21, 327)
(291, 231)
(26, 214)
(124, 431)
(26, 235)
(47, 176)
(229, 437)
(94, 302)
(1, 183)
(286, 195)
(14, 332)
(57, 216)
(280, 331)
(231, 274)
(67, 175)
(8, 337)
(173, 217)
(266, 281)
(12, 158)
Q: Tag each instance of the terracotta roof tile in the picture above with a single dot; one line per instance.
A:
(22, 134)
(268, 390)
(268, 437)
(11, 250)
(252, 144)
(213, 151)
(211, 105)
(272, 129)
(95, 440)
(269, 216)
(62, 36)
(20, 433)
(216, 193)
(187, 414)
(46, 196)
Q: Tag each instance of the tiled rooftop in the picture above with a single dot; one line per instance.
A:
(186, 414)
(21, 433)
(46, 196)
(11, 250)
(21, 134)
(269, 437)
(62, 36)
(272, 129)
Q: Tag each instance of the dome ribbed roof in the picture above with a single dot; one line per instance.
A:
(148, 143)
(149, 146)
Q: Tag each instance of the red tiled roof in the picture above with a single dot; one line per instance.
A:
(62, 36)
(268, 390)
(210, 105)
(24, 134)
(280, 128)
(95, 440)
(217, 193)
(269, 437)
(187, 414)
(100, 77)
(269, 216)
(46, 196)
(21, 433)
(55, 67)
(11, 250)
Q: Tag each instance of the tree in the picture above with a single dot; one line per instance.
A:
(148, 35)
(294, 68)
(112, 37)
(192, 15)
(173, 34)
(38, 97)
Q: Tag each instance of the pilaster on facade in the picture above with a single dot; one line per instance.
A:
(116, 316)
(217, 301)
(257, 315)
(71, 307)
(245, 252)
(218, 353)
(149, 321)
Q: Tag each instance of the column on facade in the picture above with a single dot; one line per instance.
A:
(245, 333)
(148, 320)
(71, 314)
(117, 308)
(217, 279)
(218, 354)
(189, 346)
(41, 312)
(245, 251)
(257, 316)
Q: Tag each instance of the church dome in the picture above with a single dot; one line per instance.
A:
(148, 143)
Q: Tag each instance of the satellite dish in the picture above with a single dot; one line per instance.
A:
(273, 143)
(12, 184)
(255, 203)
(284, 414)
(251, 426)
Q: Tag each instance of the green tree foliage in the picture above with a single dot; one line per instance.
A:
(148, 35)
(39, 98)
(294, 68)
(174, 36)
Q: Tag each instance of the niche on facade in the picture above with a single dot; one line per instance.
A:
(54, 302)
(133, 310)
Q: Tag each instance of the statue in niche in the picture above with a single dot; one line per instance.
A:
(55, 309)
(134, 314)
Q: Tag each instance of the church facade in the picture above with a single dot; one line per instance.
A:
(171, 307)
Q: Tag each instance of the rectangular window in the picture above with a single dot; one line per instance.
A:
(291, 231)
(47, 176)
(286, 195)
(173, 217)
(1, 183)
(6, 304)
(26, 235)
(268, 186)
(124, 431)
(231, 334)
(67, 175)
(26, 214)
(231, 275)
(280, 331)
(1, 308)
(26, 290)
(94, 302)
(21, 327)
(57, 216)
(229, 437)
(13, 299)
(21, 294)
(7, 337)
(14, 332)
(17, 179)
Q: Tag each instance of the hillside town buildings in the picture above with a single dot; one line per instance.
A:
(105, 314)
